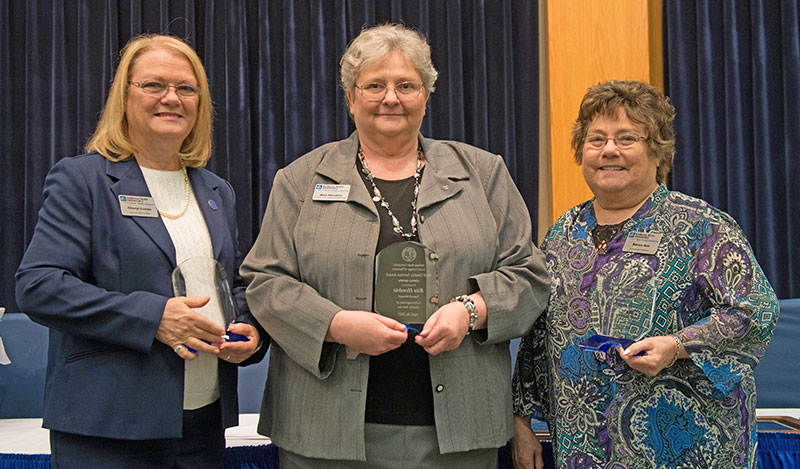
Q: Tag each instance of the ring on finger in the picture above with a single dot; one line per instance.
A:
(178, 348)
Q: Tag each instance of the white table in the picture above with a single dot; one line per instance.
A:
(26, 436)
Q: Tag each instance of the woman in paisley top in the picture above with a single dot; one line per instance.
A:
(667, 270)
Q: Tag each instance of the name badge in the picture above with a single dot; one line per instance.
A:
(137, 206)
(642, 242)
(331, 192)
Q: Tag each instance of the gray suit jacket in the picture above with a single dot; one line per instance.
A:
(313, 259)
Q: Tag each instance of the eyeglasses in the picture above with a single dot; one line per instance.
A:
(405, 91)
(622, 142)
(156, 88)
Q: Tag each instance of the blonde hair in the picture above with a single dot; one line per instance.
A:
(111, 138)
(644, 105)
(376, 42)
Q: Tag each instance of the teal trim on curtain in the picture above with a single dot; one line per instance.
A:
(778, 450)
(24, 461)
(775, 451)
(251, 457)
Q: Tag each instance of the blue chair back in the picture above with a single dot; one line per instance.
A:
(22, 382)
(778, 372)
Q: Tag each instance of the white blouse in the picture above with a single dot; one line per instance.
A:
(191, 238)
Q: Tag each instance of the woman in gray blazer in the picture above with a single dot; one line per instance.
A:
(375, 390)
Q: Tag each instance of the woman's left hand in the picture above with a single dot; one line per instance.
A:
(237, 352)
(445, 329)
(660, 351)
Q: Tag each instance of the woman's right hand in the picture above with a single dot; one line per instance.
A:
(366, 332)
(526, 450)
(181, 325)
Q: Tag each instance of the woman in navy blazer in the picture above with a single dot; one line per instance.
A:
(137, 377)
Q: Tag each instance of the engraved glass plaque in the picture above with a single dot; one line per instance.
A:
(623, 304)
(405, 282)
(204, 276)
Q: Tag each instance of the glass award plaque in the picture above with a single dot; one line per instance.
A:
(623, 304)
(204, 276)
(405, 282)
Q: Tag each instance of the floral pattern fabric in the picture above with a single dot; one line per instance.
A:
(709, 291)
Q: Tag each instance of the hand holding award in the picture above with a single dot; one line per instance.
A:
(204, 276)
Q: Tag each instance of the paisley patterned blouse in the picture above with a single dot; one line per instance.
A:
(708, 289)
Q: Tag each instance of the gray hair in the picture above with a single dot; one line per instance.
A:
(374, 43)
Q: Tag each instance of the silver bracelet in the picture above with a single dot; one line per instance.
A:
(260, 345)
(677, 350)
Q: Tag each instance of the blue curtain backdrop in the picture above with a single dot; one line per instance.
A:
(732, 70)
(273, 67)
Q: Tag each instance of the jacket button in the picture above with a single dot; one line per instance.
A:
(439, 387)
(422, 218)
(435, 300)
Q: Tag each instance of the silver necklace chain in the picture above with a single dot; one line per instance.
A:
(378, 197)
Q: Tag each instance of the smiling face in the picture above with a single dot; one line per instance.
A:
(390, 117)
(166, 117)
(618, 177)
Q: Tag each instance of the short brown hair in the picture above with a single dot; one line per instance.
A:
(643, 104)
(111, 138)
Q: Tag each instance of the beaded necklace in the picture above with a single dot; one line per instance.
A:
(378, 197)
(185, 198)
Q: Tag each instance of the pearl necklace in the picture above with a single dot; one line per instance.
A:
(185, 198)
(378, 197)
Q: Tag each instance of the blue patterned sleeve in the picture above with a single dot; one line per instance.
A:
(729, 315)
(529, 384)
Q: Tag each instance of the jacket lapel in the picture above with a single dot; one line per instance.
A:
(444, 174)
(339, 165)
(130, 181)
(208, 198)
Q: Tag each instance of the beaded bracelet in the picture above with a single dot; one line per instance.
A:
(677, 350)
(471, 309)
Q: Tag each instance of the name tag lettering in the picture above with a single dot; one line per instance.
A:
(137, 206)
(331, 192)
(642, 242)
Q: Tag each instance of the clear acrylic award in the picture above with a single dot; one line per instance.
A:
(204, 276)
(405, 282)
(623, 304)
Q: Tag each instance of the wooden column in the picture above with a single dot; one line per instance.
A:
(589, 41)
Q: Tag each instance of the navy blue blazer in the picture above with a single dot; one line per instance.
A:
(100, 280)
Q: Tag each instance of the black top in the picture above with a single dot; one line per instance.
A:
(399, 391)
(603, 234)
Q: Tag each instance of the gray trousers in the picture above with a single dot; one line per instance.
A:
(398, 447)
